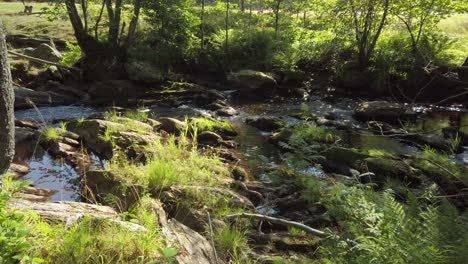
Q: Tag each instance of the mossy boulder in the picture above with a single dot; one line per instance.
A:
(249, 81)
(266, 123)
(384, 168)
(346, 156)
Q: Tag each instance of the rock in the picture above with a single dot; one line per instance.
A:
(227, 111)
(433, 140)
(26, 124)
(95, 134)
(193, 248)
(116, 90)
(209, 138)
(382, 111)
(92, 131)
(18, 170)
(345, 156)
(24, 97)
(266, 123)
(56, 87)
(155, 124)
(141, 71)
(55, 73)
(172, 125)
(253, 82)
(19, 70)
(384, 168)
(44, 52)
(101, 183)
(24, 134)
(281, 136)
(61, 211)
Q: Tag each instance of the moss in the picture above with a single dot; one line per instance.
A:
(207, 124)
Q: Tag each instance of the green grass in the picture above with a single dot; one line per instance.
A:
(95, 240)
(51, 134)
(208, 124)
(231, 242)
(18, 7)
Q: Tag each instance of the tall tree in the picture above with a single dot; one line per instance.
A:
(368, 18)
(103, 59)
(420, 17)
(7, 119)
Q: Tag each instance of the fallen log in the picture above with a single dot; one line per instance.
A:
(284, 222)
(44, 61)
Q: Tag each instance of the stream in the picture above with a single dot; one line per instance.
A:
(253, 146)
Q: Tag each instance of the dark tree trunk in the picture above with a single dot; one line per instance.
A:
(7, 118)
(134, 22)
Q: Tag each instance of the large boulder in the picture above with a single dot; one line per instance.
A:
(143, 72)
(383, 111)
(249, 81)
(57, 87)
(172, 125)
(45, 52)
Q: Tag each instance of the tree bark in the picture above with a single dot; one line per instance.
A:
(7, 118)
(133, 23)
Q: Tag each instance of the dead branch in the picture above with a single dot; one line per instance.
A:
(44, 61)
(284, 222)
(452, 97)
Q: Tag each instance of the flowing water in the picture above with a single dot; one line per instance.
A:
(254, 148)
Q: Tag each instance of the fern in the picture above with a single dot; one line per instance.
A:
(389, 231)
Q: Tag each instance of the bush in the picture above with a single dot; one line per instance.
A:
(13, 231)
(73, 55)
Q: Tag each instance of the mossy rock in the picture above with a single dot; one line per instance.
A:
(346, 156)
(384, 168)
(223, 128)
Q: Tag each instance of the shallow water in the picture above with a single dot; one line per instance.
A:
(48, 115)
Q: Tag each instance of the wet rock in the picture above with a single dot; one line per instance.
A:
(45, 52)
(141, 71)
(209, 138)
(253, 82)
(226, 111)
(382, 111)
(266, 123)
(172, 125)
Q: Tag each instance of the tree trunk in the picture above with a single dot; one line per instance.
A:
(7, 118)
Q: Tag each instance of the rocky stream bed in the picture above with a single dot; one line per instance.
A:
(348, 136)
